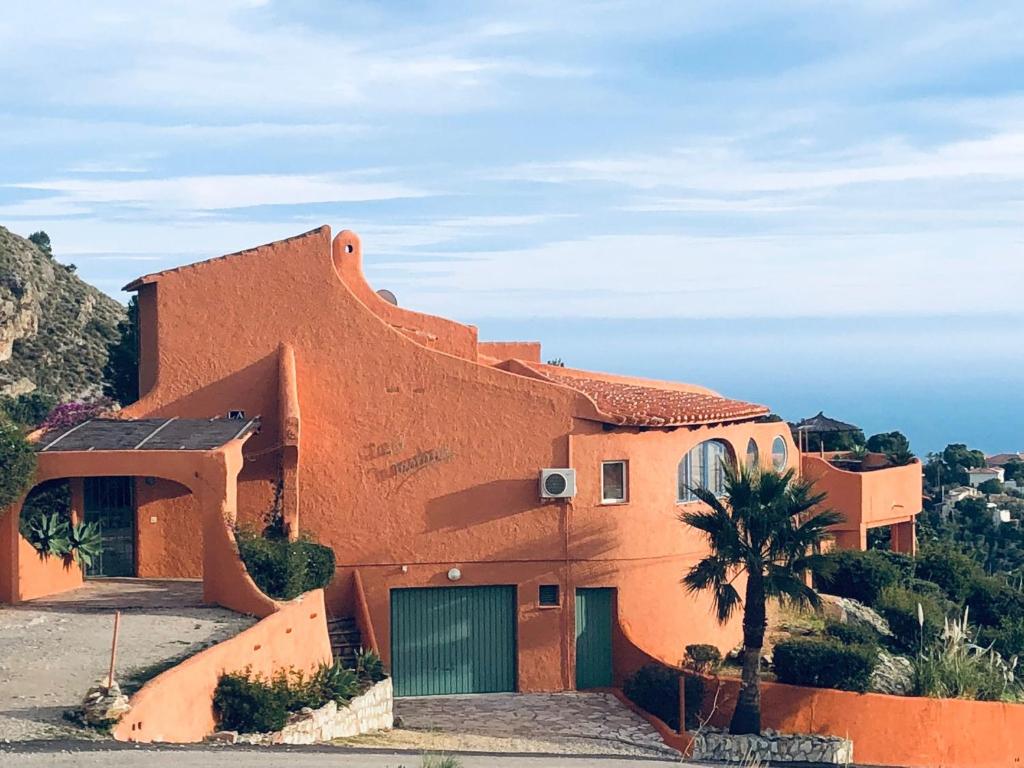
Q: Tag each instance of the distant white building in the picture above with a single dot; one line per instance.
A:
(979, 475)
(958, 493)
(999, 516)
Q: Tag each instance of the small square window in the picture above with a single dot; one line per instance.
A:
(548, 594)
(614, 482)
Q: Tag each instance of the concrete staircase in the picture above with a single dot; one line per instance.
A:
(346, 640)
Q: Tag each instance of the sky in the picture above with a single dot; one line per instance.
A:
(814, 205)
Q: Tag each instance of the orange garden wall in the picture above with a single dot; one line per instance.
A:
(890, 730)
(26, 574)
(177, 706)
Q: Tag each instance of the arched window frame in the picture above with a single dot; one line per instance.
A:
(779, 457)
(702, 467)
(753, 454)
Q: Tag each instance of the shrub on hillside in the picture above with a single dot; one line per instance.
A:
(17, 462)
(852, 634)
(825, 663)
(906, 565)
(957, 668)
(899, 607)
(1007, 639)
(655, 689)
(859, 575)
(992, 600)
(285, 569)
(948, 567)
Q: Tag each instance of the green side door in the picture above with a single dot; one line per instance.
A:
(110, 503)
(593, 638)
(453, 640)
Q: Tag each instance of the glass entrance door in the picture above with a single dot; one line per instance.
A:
(110, 503)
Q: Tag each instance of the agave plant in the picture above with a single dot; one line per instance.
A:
(369, 666)
(49, 534)
(85, 543)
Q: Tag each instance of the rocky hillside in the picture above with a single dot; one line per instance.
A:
(54, 328)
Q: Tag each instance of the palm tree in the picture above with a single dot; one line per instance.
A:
(764, 527)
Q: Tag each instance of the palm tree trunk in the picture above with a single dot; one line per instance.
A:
(747, 716)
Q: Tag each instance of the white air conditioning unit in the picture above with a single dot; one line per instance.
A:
(557, 483)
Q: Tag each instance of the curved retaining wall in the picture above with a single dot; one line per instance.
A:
(889, 730)
(177, 706)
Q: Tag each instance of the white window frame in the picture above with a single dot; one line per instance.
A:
(625, 482)
(776, 465)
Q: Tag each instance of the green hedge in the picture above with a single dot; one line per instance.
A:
(250, 703)
(858, 575)
(285, 569)
(825, 663)
(852, 634)
(655, 689)
(898, 607)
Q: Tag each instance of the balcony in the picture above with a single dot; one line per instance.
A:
(869, 493)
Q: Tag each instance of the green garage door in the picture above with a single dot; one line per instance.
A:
(453, 640)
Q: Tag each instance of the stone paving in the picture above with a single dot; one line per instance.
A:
(595, 717)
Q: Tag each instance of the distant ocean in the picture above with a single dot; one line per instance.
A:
(938, 380)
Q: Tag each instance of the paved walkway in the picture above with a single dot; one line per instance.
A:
(597, 718)
(52, 651)
(331, 757)
(104, 594)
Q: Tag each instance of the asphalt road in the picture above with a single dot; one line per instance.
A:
(82, 756)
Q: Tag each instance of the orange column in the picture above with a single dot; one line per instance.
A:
(76, 485)
(903, 538)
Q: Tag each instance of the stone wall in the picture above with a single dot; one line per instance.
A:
(773, 747)
(372, 711)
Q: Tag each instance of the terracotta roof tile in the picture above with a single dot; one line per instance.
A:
(643, 404)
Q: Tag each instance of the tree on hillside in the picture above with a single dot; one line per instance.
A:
(991, 486)
(17, 462)
(763, 528)
(950, 467)
(28, 410)
(894, 445)
(121, 373)
(42, 241)
(1014, 470)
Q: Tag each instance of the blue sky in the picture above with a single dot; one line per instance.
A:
(542, 162)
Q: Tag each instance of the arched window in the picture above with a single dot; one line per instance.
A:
(753, 455)
(702, 468)
(779, 453)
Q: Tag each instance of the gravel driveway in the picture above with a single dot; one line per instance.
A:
(52, 652)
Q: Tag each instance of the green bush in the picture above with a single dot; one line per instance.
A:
(948, 567)
(825, 663)
(703, 658)
(858, 575)
(655, 689)
(248, 704)
(852, 634)
(319, 564)
(285, 569)
(17, 462)
(906, 565)
(992, 600)
(1007, 639)
(898, 607)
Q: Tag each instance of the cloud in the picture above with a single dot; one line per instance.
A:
(207, 193)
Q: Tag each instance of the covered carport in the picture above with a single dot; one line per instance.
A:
(202, 455)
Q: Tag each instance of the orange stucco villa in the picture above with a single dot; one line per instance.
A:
(416, 452)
